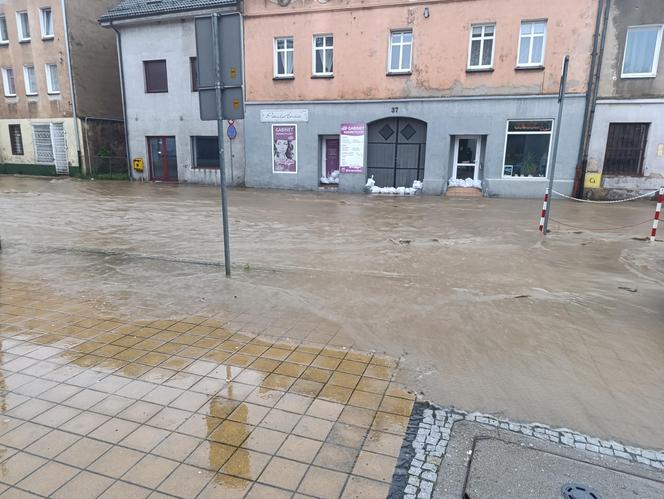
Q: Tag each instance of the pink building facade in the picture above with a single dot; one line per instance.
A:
(448, 92)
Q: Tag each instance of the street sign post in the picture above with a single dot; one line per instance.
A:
(220, 72)
(556, 136)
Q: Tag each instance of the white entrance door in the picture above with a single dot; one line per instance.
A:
(467, 155)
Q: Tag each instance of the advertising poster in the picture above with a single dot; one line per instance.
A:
(351, 155)
(284, 148)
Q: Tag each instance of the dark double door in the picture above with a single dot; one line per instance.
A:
(396, 151)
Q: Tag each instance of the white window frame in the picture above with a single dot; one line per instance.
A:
(276, 52)
(49, 80)
(655, 61)
(4, 34)
(26, 81)
(401, 45)
(548, 154)
(532, 36)
(5, 82)
(482, 39)
(42, 23)
(19, 26)
(323, 49)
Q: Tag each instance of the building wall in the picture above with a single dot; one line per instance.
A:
(440, 52)
(445, 119)
(175, 113)
(628, 100)
(623, 14)
(94, 60)
(37, 52)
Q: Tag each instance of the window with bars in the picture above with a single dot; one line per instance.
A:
(625, 148)
(16, 140)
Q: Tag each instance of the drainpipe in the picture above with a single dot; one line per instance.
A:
(118, 38)
(71, 86)
(591, 94)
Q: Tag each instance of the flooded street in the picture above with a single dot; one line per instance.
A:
(481, 313)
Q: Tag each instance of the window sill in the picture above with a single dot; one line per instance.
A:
(398, 73)
(11, 97)
(527, 179)
(49, 37)
(31, 95)
(215, 168)
(4, 44)
(479, 70)
(637, 76)
(24, 41)
(283, 78)
(156, 91)
(529, 68)
(322, 77)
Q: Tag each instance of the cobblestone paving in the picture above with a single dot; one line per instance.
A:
(429, 433)
(224, 406)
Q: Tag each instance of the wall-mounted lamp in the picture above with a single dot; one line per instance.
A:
(426, 12)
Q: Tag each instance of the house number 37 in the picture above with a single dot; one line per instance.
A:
(395, 109)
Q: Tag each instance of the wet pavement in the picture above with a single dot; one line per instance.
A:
(476, 310)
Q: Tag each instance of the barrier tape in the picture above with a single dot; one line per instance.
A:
(647, 194)
(600, 229)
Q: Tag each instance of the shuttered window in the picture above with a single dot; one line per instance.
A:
(16, 140)
(625, 147)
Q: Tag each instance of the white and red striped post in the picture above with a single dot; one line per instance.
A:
(658, 210)
(544, 208)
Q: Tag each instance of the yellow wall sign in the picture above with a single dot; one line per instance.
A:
(138, 164)
(593, 180)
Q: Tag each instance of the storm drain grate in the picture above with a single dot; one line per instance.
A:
(576, 491)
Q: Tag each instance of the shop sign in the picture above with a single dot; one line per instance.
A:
(284, 115)
(351, 155)
(284, 148)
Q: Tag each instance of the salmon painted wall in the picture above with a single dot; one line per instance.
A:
(440, 48)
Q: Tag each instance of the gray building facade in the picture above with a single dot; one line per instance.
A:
(626, 145)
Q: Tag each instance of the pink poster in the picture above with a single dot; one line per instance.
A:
(284, 148)
(331, 156)
(352, 148)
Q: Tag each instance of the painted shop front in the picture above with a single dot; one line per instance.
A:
(501, 145)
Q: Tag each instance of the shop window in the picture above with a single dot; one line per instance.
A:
(16, 140)
(205, 152)
(527, 149)
(625, 148)
(642, 48)
(156, 79)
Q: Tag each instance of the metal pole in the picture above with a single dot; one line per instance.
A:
(220, 134)
(556, 136)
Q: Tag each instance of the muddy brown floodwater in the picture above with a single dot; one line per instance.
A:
(484, 314)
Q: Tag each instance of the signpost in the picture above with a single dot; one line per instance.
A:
(219, 64)
(561, 101)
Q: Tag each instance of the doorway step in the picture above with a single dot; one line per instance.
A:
(463, 192)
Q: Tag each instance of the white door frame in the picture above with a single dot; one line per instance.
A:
(478, 154)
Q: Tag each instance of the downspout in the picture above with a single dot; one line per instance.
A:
(71, 86)
(591, 93)
(118, 38)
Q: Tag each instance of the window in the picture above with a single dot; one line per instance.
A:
(205, 152)
(52, 83)
(401, 48)
(283, 57)
(23, 26)
(531, 43)
(323, 55)
(16, 140)
(480, 54)
(30, 80)
(8, 82)
(4, 36)
(46, 20)
(642, 51)
(41, 137)
(527, 149)
(625, 147)
(156, 79)
(194, 74)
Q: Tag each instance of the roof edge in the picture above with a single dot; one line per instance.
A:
(109, 18)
